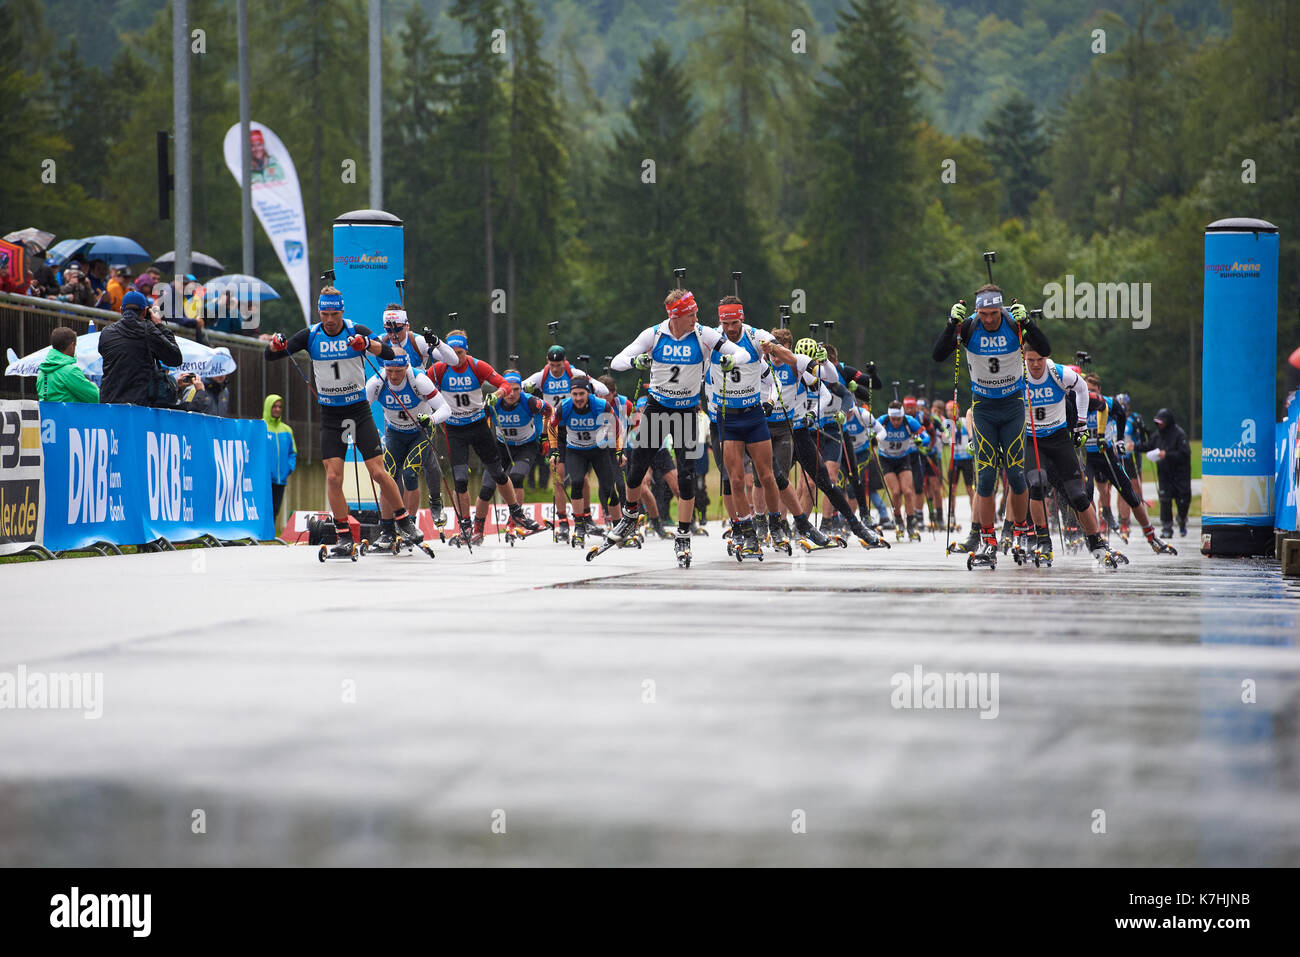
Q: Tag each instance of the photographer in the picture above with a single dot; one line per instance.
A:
(76, 288)
(132, 347)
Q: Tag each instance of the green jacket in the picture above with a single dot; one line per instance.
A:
(61, 380)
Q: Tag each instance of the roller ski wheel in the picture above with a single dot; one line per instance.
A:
(1042, 555)
(632, 541)
(365, 547)
(349, 550)
(560, 533)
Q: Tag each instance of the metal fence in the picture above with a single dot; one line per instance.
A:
(26, 324)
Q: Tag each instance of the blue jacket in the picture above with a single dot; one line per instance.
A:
(284, 450)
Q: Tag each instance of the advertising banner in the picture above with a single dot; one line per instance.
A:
(22, 504)
(277, 200)
(1238, 384)
(129, 475)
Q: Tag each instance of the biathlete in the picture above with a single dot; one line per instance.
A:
(337, 347)
(412, 408)
(462, 384)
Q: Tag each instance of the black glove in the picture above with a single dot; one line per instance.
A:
(767, 409)
(869, 369)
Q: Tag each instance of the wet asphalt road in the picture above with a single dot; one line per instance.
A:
(407, 711)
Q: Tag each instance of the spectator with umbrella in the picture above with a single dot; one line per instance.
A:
(118, 286)
(76, 287)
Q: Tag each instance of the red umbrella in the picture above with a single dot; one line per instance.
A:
(11, 263)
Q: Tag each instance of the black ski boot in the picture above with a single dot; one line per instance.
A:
(657, 526)
(407, 530)
(760, 527)
(386, 540)
(560, 532)
(972, 543)
(522, 519)
(780, 532)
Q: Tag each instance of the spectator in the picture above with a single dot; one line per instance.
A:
(224, 315)
(144, 283)
(189, 314)
(132, 347)
(76, 288)
(1172, 453)
(284, 450)
(97, 271)
(60, 379)
(191, 396)
(47, 278)
(119, 286)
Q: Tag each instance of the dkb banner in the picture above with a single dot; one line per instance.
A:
(1239, 386)
(22, 506)
(129, 475)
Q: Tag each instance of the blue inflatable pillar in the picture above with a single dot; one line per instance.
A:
(1238, 387)
(369, 255)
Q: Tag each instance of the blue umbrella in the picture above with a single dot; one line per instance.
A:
(116, 250)
(244, 288)
(65, 249)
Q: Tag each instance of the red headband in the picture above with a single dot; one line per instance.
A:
(681, 306)
(732, 310)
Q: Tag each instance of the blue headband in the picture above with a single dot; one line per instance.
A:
(514, 377)
(988, 300)
(457, 342)
(398, 361)
(331, 302)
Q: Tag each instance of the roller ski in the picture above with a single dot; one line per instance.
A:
(657, 526)
(969, 546)
(744, 542)
(1019, 548)
(812, 540)
(519, 533)
(697, 528)
(1159, 547)
(520, 519)
(466, 536)
(780, 537)
(579, 537)
(624, 528)
(634, 540)
(1124, 532)
(1042, 554)
(1105, 556)
(439, 519)
(761, 531)
(986, 556)
(1007, 534)
(867, 535)
(477, 536)
(385, 542)
(410, 537)
(344, 548)
(913, 529)
(560, 532)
